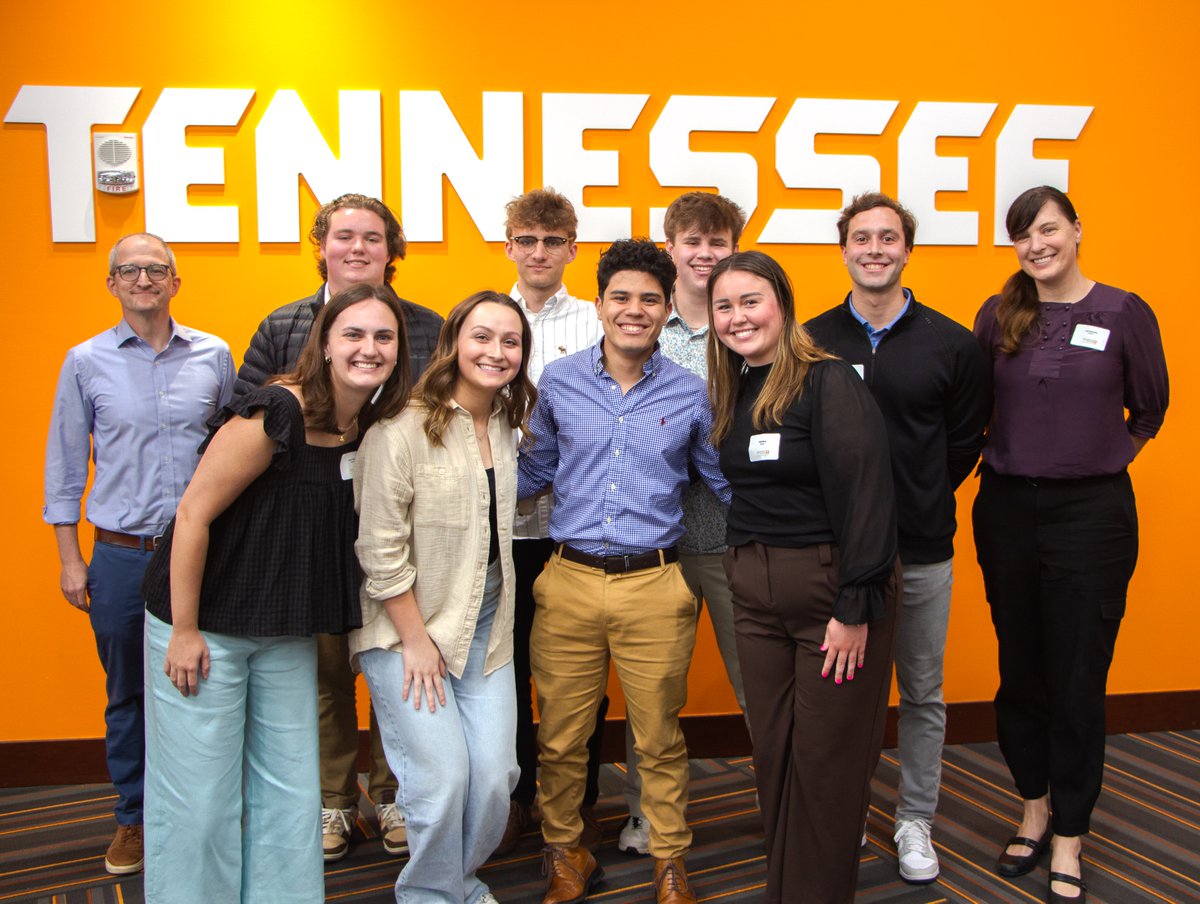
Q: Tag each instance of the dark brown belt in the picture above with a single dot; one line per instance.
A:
(620, 564)
(129, 541)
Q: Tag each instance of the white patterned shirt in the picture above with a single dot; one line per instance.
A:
(563, 326)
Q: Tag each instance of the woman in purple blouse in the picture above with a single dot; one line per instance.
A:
(1081, 386)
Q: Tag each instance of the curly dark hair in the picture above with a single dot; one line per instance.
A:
(869, 201)
(639, 254)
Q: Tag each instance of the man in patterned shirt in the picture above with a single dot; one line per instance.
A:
(540, 228)
(615, 429)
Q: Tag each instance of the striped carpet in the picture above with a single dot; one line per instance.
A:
(1144, 846)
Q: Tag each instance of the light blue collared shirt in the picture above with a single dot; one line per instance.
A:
(875, 335)
(618, 462)
(141, 416)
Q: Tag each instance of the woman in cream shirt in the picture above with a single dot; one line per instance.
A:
(436, 493)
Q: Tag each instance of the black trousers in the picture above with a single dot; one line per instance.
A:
(816, 743)
(529, 558)
(1057, 556)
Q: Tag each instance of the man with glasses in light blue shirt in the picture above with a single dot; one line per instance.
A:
(135, 399)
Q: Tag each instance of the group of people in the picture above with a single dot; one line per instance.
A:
(539, 488)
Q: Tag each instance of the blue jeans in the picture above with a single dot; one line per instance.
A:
(233, 796)
(456, 766)
(117, 611)
(920, 652)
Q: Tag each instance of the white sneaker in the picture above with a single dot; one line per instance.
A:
(635, 836)
(336, 826)
(914, 849)
(392, 829)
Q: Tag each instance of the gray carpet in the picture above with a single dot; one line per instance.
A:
(1144, 846)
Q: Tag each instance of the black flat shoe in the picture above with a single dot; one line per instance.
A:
(1053, 897)
(1013, 865)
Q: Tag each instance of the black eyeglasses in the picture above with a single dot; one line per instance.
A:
(132, 272)
(550, 242)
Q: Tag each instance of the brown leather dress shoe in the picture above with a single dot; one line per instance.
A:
(592, 835)
(519, 820)
(671, 882)
(570, 872)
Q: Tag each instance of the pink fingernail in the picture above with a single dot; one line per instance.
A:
(824, 647)
(824, 674)
(837, 680)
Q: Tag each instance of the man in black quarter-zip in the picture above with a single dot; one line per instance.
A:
(930, 380)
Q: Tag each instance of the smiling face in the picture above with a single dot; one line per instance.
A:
(632, 311)
(489, 350)
(746, 316)
(143, 296)
(874, 252)
(361, 345)
(695, 253)
(355, 249)
(1049, 249)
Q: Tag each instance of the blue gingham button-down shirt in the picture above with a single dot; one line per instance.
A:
(141, 416)
(618, 462)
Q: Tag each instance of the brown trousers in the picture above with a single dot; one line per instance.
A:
(816, 743)
(338, 720)
(645, 622)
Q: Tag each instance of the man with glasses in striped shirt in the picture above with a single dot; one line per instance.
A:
(540, 229)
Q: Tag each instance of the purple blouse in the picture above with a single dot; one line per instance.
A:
(1061, 398)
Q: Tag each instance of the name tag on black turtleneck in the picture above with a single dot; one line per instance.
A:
(764, 447)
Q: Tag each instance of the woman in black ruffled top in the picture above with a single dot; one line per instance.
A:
(813, 570)
(259, 558)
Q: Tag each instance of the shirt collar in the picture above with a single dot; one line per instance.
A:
(673, 319)
(125, 332)
(554, 300)
(649, 366)
(887, 326)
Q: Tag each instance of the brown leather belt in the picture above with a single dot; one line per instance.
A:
(129, 541)
(620, 564)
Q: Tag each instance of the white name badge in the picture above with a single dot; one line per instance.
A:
(347, 465)
(1090, 336)
(764, 447)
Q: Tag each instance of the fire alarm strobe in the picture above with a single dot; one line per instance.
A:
(116, 162)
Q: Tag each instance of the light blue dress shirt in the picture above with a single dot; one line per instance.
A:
(875, 335)
(141, 416)
(618, 462)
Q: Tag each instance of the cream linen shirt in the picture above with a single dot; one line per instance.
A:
(423, 525)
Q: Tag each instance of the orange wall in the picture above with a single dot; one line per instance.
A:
(1129, 63)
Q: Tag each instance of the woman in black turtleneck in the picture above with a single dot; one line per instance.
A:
(813, 569)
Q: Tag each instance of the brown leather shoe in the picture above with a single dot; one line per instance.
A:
(125, 853)
(671, 883)
(519, 820)
(592, 835)
(570, 872)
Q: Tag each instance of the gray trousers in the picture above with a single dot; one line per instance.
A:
(705, 576)
(920, 650)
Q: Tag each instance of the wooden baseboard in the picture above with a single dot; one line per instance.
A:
(81, 760)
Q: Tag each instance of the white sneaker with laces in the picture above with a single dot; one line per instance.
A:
(336, 826)
(392, 829)
(914, 850)
(635, 836)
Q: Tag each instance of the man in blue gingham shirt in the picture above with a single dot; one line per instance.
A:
(615, 428)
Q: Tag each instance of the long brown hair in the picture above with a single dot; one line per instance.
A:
(312, 373)
(1017, 311)
(794, 353)
(436, 386)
